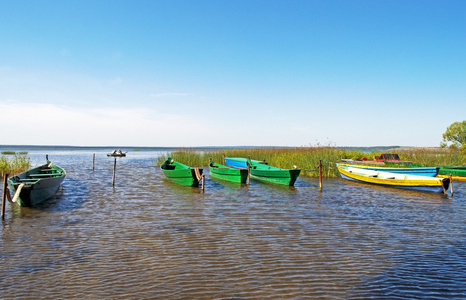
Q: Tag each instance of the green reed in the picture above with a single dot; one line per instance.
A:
(307, 158)
(437, 157)
(15, 165)
(8, 153)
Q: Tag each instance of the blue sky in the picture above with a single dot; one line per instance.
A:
(231, 73)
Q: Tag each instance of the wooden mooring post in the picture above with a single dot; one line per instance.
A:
(93, 163)
(320, 174)
(451, 185)
(203, 182)
(5, 190)
(114, 172)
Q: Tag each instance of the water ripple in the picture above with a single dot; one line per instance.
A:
(147, 238)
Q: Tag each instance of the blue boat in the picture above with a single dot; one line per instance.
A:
(427, 171)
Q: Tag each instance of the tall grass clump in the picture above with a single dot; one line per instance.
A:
(306, 158)
(8, 153)
(435, 156)
(17, 164)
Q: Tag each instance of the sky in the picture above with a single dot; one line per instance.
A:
(193, 73)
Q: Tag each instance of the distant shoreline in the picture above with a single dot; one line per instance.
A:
(169, 148)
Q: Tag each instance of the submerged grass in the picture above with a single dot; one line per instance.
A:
(307, 158)
(15, 165)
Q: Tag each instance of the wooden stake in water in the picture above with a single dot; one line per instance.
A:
(320, 174)
(451, 185)
(114, 171)
(203, 181)
(5, 190)
(93, 163)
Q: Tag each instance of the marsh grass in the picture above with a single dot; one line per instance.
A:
(15, 165)
(8, 153)
(307, 158)
(13, 153)
(429, 157)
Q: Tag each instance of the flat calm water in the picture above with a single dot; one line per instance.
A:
(148, 238)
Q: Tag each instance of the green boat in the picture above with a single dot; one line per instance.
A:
(228, 173)
(457, 173)
(180, 173)
(260, 170)
(36, 185)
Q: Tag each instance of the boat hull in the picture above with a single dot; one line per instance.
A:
(180, 173)
(227, 173)
(457, 173)
(263, 172)
(427, 171)
(284, 176)
(37, 186)
(117, 155)
(395, 180)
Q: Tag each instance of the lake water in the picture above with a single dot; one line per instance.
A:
(148, 238)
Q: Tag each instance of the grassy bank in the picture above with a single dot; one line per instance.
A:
(307, 158)
(14, 165)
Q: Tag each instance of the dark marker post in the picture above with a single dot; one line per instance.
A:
(320, 174)
(5, 190)
(114, 171)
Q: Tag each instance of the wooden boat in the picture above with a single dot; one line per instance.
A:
(228, 173)
(456, 173)
(260, 170)
(36, 185)
(421, 171)
(180, 173)
(117, 154)
(391, 157)
(423, 183)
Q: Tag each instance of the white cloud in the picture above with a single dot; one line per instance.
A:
(49, 124)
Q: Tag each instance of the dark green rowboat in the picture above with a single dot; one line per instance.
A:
(36, 185)
(262, 171)
(228, 173)
(180, 173)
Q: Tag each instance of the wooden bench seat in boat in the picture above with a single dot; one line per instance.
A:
(44, 175)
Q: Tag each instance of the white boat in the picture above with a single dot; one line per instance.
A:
(397, 180)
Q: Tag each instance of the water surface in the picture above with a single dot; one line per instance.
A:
(149, 238)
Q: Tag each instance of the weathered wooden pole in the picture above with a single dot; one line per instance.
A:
(451, 185)
(114, 172)
(223, 155)
(203, 181)
(5, 179)
(249, 173)
(320, 174)
(93, 163)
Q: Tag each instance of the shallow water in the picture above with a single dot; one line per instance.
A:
(150, 238)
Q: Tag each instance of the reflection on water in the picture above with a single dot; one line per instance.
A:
(150, 238)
